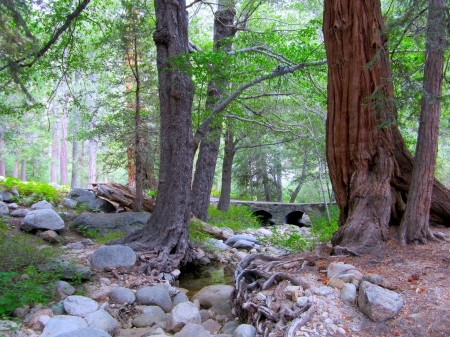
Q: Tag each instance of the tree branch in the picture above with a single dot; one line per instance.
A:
(52, 41)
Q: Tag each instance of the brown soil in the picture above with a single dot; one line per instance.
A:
(420, 273)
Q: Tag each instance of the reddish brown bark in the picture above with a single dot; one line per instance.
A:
(415, 222)
(63, 154)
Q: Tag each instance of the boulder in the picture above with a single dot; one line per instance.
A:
(85, 332)
(378, 303)
(50, 236)
(79, 305)
(13, 206)
(137, 332)
(126, 222)
(348, 294)
(122, 295)
(4, 210)
(217, 243)
(42, 219)
(339, 268)
(102, 320)
(155, 295)
(113, 257)
(19, 213)
(212, 326)
(8, 195)
(179, 298)
(229, 327)
(231, 241)
(64, 289)
(210, 295)
(373, 278)
(60, 324)
(69, 203)
(182, 314)
(221, 307)
(67, 270)
(323, 290)
(245, 330)
(191, 330)
(244, 244)
(151, 316)
(41, 205)
(90, 200)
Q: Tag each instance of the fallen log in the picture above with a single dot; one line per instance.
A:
(123, 195)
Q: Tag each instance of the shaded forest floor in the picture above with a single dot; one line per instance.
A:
(421, 274)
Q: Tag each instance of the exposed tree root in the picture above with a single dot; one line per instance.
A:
(298, 322)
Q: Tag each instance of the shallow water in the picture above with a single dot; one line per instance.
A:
(202, 276)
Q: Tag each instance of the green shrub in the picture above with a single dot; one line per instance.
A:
(291, 242)
(320, 227)
(29, 288)
(237, 218)
(198, 237)
(108, 236)
(34, 191)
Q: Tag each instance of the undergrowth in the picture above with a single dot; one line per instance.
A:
(237, 218)
(32, 191)
(320, 227)
(20, 282)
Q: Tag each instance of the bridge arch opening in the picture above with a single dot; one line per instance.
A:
(264, 217)
(295, 218)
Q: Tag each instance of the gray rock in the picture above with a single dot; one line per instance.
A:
(58, 325)
(348, 294)
(151, 316)
(210, 295)
(217, 243)
(231, 241)
(19, 213)
(8, 196)
(90, 200)
(302, 301)
(69, 203)
(182, 314)
(79, 305)
(205, 315)
(64, 289)
(66, 269)
(58, 308)
(85, 332)
(221, 307)
(122, 295)
(50, 236)
(339, 268)
(1, 198)
(212, 326)
(324, 291)
(244, 330)
(13, 206)
(190, 330)
(262, 232)
(4, 210)
(243, 244)
(139, 332)
(102, 320)
(155, 295)
(41, 205)
(229, 327)
(179, 298)
(373, 278)
(126, 222)
(42, 219)
(113, 257)
(377, 303)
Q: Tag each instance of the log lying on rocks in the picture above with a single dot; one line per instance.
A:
(123, 196)
(259, 297)
(213, 230)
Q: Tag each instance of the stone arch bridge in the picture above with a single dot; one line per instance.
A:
(280, 212)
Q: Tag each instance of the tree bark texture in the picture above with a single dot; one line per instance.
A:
(23, 170)
(302, 178)
(2, 153)
(370, 167)
(55, 147)
(92, 159)
(360, 153)
(210, 144)
(167, 232)
(16, 167)
(415, 222)
(227, 165)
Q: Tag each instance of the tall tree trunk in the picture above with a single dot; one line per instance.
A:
(130, 167)
(370, 167)
(415, 222)
(55, 147)
(279, 180)
(167, 231)
(23, 170)
(92, 159)
(360, 153)
(83, 153)
(63, 154)
(75, 154)
(137, 206)
(2, 153)
(227, 165)
(16, 166)
(265, 179)
(209, 146)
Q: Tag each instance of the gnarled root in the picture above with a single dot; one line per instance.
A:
(298, 322)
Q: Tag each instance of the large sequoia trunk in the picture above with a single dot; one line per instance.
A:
(370, 167)
(209, 147)
(167, 232)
